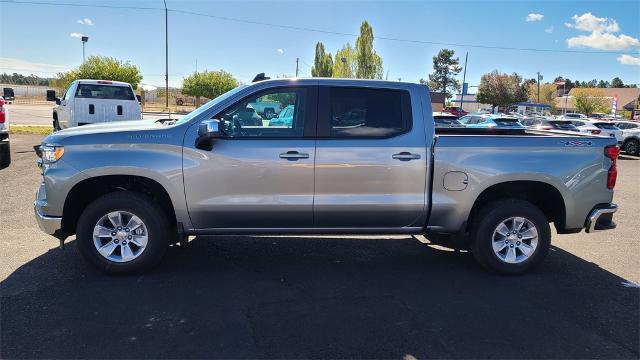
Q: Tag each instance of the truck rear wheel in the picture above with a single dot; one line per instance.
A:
(123, 232)
(510, 236)
(632, 147)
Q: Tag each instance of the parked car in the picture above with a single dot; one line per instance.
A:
(5, 146)
(94, 101)
(285, 118)
(598, 117)
(630, 136)
(455, 110)
(8, 95)
(441, 119)
(491, 121)
(601, 128)
(573, 116)
(129, 189)
(537, 123)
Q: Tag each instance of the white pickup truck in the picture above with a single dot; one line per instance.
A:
(94, 101)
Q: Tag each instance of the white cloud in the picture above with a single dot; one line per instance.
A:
(76, 35)
(629, 60)
(589, 22)
(603, 41)
(86, 21)
(21, 65)
(280, 51)
(534, 17)
(549, 30)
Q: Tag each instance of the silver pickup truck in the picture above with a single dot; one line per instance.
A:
(356, 157)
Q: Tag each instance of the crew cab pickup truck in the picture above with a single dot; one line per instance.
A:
(128, 190)
(94, 101)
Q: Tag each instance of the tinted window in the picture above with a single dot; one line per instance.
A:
(367, 113)
(446, 120)
(91, 91)
(606, 126)
(273, 113)
(506, 122)
(563, 125)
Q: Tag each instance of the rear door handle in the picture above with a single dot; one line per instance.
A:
(406, 156)
(293, 155)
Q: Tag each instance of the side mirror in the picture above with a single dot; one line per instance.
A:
(208, 130)
(51, 95)
(58, 101)
(139, 98)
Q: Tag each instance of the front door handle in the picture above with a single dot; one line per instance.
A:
(293, 155)
(406, 156)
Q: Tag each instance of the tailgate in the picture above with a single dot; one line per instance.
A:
(105, 110)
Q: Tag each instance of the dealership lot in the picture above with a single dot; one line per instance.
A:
(248, 297)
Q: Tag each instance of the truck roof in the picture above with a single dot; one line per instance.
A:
(340, 81)
(102, 82)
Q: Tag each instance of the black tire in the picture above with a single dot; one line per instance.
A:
(632, 147)
(180, 102)
(5, 154)
(159, 231)
(489, 217)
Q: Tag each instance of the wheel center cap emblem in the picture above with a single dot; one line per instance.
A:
(121, 235)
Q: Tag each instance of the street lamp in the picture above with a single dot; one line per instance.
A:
(84, 41)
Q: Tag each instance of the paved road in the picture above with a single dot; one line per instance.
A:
(25, 114)
(331, 297)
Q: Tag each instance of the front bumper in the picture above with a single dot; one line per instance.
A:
(601, 218)
(49, 224)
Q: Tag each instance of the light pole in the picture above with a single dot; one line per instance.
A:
(464, 78)
(539, 78)
(84, 41)
(166, 55)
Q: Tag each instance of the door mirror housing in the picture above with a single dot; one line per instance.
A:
(208, 130)
(51, 95)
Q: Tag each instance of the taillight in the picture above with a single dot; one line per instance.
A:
(612, 152)
(2, 114)
(595, 132)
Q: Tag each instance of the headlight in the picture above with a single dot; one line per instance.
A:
(51, 154)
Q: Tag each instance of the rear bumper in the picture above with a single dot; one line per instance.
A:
(601, 218)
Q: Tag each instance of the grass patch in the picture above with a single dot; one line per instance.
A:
(32, 130)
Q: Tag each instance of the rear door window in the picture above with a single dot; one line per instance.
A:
(362, 112)
(562, 125)
(110, 92)
(506, 122)
(606, 126)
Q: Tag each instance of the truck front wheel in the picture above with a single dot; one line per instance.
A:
(123, 232)
(510, 236)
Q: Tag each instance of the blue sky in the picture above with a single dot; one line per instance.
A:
(40, 39)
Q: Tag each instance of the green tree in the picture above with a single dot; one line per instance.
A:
(445, 68)
(499, 89)
(345, 62)
(101, 68)
(323, 62)
(590, 100)
(547, 93)
(368, 63)
(209, 84)
(617, 83)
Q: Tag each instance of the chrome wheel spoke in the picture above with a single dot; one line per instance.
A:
(527, 250)
(126, 253)
(510, 257)
(139, 240)
(502, 229)
(517, 223)
(107, 249)
(115, 218)
(102, 231)
(499, 245)
(530, 233)
(134, 223)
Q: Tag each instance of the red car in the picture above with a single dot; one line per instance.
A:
(455, 110)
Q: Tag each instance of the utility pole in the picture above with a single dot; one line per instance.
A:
(166, 55)
(538, 78)
(297, 60)
(464, 78)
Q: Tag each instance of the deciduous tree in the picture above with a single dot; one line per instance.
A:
(323, 62)
(101, 68)
(590, 100)
(499, 89)
(369, 64)
(345, 62)
(547, 93)
(209, 84)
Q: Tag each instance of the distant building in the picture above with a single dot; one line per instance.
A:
(469, 103)
(628, 99)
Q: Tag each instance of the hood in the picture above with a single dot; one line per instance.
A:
(109, 132)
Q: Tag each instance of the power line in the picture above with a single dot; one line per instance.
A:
(339, 33)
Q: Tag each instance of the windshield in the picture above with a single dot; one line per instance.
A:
(210, 104)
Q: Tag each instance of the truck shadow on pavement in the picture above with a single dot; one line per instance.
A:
(276, 297)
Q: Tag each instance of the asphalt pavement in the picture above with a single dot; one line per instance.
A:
(42, 114)
(316, 297)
